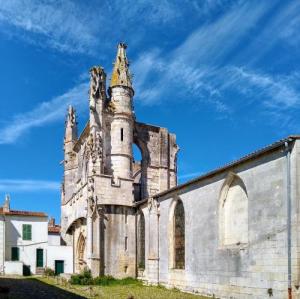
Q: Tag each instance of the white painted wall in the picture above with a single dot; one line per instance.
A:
(12, 237)
(64, 253)
(13, 268)
(27, 248)
(53, 239)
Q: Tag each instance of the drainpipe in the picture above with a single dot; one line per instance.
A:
(4, 244)
(289, 204)
(158, 257)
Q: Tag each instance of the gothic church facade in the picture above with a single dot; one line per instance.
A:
(231, 233)
(102, 182)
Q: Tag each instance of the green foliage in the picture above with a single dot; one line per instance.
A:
(49, 272)
(84, 278)
(109, 280)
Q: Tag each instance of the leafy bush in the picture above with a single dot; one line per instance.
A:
(84, 278)
(49, 272)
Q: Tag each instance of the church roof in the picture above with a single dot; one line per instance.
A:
(22, 213)
(257, 153)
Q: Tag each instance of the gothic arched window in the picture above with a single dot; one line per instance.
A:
(234, 212)
(179, 236)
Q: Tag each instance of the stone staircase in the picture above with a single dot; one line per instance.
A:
(39, 271)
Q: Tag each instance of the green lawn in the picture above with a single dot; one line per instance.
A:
(130, 291)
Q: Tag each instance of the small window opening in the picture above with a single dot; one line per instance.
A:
(122, 134)
(126, 216)
(126, 241)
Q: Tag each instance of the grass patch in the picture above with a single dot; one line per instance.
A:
(121, 289)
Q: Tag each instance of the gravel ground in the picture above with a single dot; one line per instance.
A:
(12, 288)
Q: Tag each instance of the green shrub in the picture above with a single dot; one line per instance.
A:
(84, 278)
(49, 272)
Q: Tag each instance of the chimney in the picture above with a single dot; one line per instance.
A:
(51, 222)
(6, 206)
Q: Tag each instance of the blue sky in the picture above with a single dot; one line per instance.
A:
(222, 75)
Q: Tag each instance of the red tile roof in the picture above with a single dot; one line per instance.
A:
(54, 229)
(23, 213)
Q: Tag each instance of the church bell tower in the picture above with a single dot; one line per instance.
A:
(121, 93)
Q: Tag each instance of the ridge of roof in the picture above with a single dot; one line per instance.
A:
(23, 213)
(54, 229)
(247, 157)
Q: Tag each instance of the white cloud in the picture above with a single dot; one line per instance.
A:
(59, 24)
(76, 27)
(190, 66)
(8, 185)
(204, 65)
(275, 92)
(44, 113)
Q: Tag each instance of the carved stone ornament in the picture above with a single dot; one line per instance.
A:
(90, 188)
(153, 205)
(71, 118)
(97, 85)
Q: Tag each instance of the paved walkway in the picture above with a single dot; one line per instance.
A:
(11, 288)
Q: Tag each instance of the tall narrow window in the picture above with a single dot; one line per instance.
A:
(126, 243)
(234, 212)
(141, 241)
(126, 215)
(179, 236)
(122, 134)
(26, 231)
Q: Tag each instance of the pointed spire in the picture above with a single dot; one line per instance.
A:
(71, 125)
(121, 75)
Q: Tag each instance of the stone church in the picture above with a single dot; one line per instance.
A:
(230, 233)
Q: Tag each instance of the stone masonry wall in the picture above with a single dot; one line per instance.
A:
(239, 272)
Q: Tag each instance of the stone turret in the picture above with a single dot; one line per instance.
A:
(121, 93)
(71, 130)
(97, 99)
(70, 157)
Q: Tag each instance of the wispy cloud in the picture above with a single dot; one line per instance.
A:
(44, 113)
(8, 185)
(278, 92)
(191, 64)
(57, 24)
(83, 27)
(204, 65)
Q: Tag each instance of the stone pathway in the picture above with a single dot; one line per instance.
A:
(32, 289)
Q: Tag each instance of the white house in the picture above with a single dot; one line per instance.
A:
(28, 244)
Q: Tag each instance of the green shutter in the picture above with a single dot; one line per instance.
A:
(29, 232)
(26, 231)
(14, 253)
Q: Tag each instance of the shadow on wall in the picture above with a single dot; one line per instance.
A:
(32, 288)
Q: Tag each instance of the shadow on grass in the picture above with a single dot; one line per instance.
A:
(13, 288)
